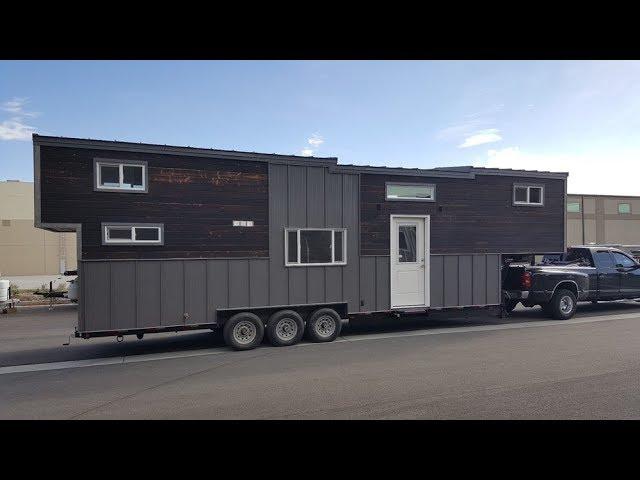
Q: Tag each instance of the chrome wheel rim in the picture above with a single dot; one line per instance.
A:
(566, 304)
(244, 332)
(286, 329)
(325, 326)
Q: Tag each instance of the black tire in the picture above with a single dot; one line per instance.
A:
(284, 328)
(243, 331)
(563, 305)
(140, 336)
(323, 325)
(509, 305)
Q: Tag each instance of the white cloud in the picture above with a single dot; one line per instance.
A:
(315, 140)
(16, 107)
(592, 172)
(15, 130)
(480, 137)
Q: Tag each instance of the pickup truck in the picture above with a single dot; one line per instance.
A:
(583, 273)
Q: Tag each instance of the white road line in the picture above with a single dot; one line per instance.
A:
(96, 362)
(37, 367)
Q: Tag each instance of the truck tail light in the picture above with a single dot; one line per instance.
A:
(525, 280)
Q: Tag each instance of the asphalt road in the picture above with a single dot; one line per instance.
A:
(480, 367)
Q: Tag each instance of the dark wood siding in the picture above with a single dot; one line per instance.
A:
(468, 216)
(196, 199)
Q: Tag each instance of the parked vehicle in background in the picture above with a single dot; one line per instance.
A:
(583, 273)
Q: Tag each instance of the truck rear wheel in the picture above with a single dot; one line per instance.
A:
(324, 325)
(243, 331)
(285, 328)
(563, 305)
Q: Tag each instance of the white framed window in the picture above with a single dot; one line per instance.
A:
(315, 246)
(132, 234)
(532, 195)
(413, 192)
(119, 176)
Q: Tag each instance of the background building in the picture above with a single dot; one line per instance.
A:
(603, 219)
(24, 249)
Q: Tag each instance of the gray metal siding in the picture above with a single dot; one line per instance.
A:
(172, 292)
(258, 282)
(123, 294)
(465, 280)
(239, 283)
(148, 293)
(195, 291)
(97, 295)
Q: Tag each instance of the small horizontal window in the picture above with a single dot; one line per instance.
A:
(125, 176)
(624, 208)
(133, 234)
(309, 246)
(528, 195)
(573, 207)
(411, 191)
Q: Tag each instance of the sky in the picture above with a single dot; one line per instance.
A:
(581, 117)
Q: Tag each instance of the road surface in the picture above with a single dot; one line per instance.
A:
(523, 367)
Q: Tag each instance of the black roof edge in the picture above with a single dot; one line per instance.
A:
(452, 172)
(168, 149)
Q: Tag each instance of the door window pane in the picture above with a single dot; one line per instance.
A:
(110, 175)
(315, 246)
(407, 243)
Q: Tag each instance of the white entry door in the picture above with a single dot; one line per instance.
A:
(409, 261)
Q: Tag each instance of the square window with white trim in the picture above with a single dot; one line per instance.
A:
(532, 195)
(315, 246)
(120, 176)
(132, 234)
(411, 191)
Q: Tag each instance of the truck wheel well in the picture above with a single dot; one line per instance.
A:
(567, 285)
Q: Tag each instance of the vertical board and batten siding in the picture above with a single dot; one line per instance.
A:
(465, 280)
(158, 293)
(312, 197)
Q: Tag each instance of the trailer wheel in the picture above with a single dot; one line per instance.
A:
(285, 328)
(243, 331)
(563, 305)
(324, 325)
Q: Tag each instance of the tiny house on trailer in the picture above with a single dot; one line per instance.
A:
(179, 238)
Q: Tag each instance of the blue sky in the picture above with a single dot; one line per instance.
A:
(576, 116)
